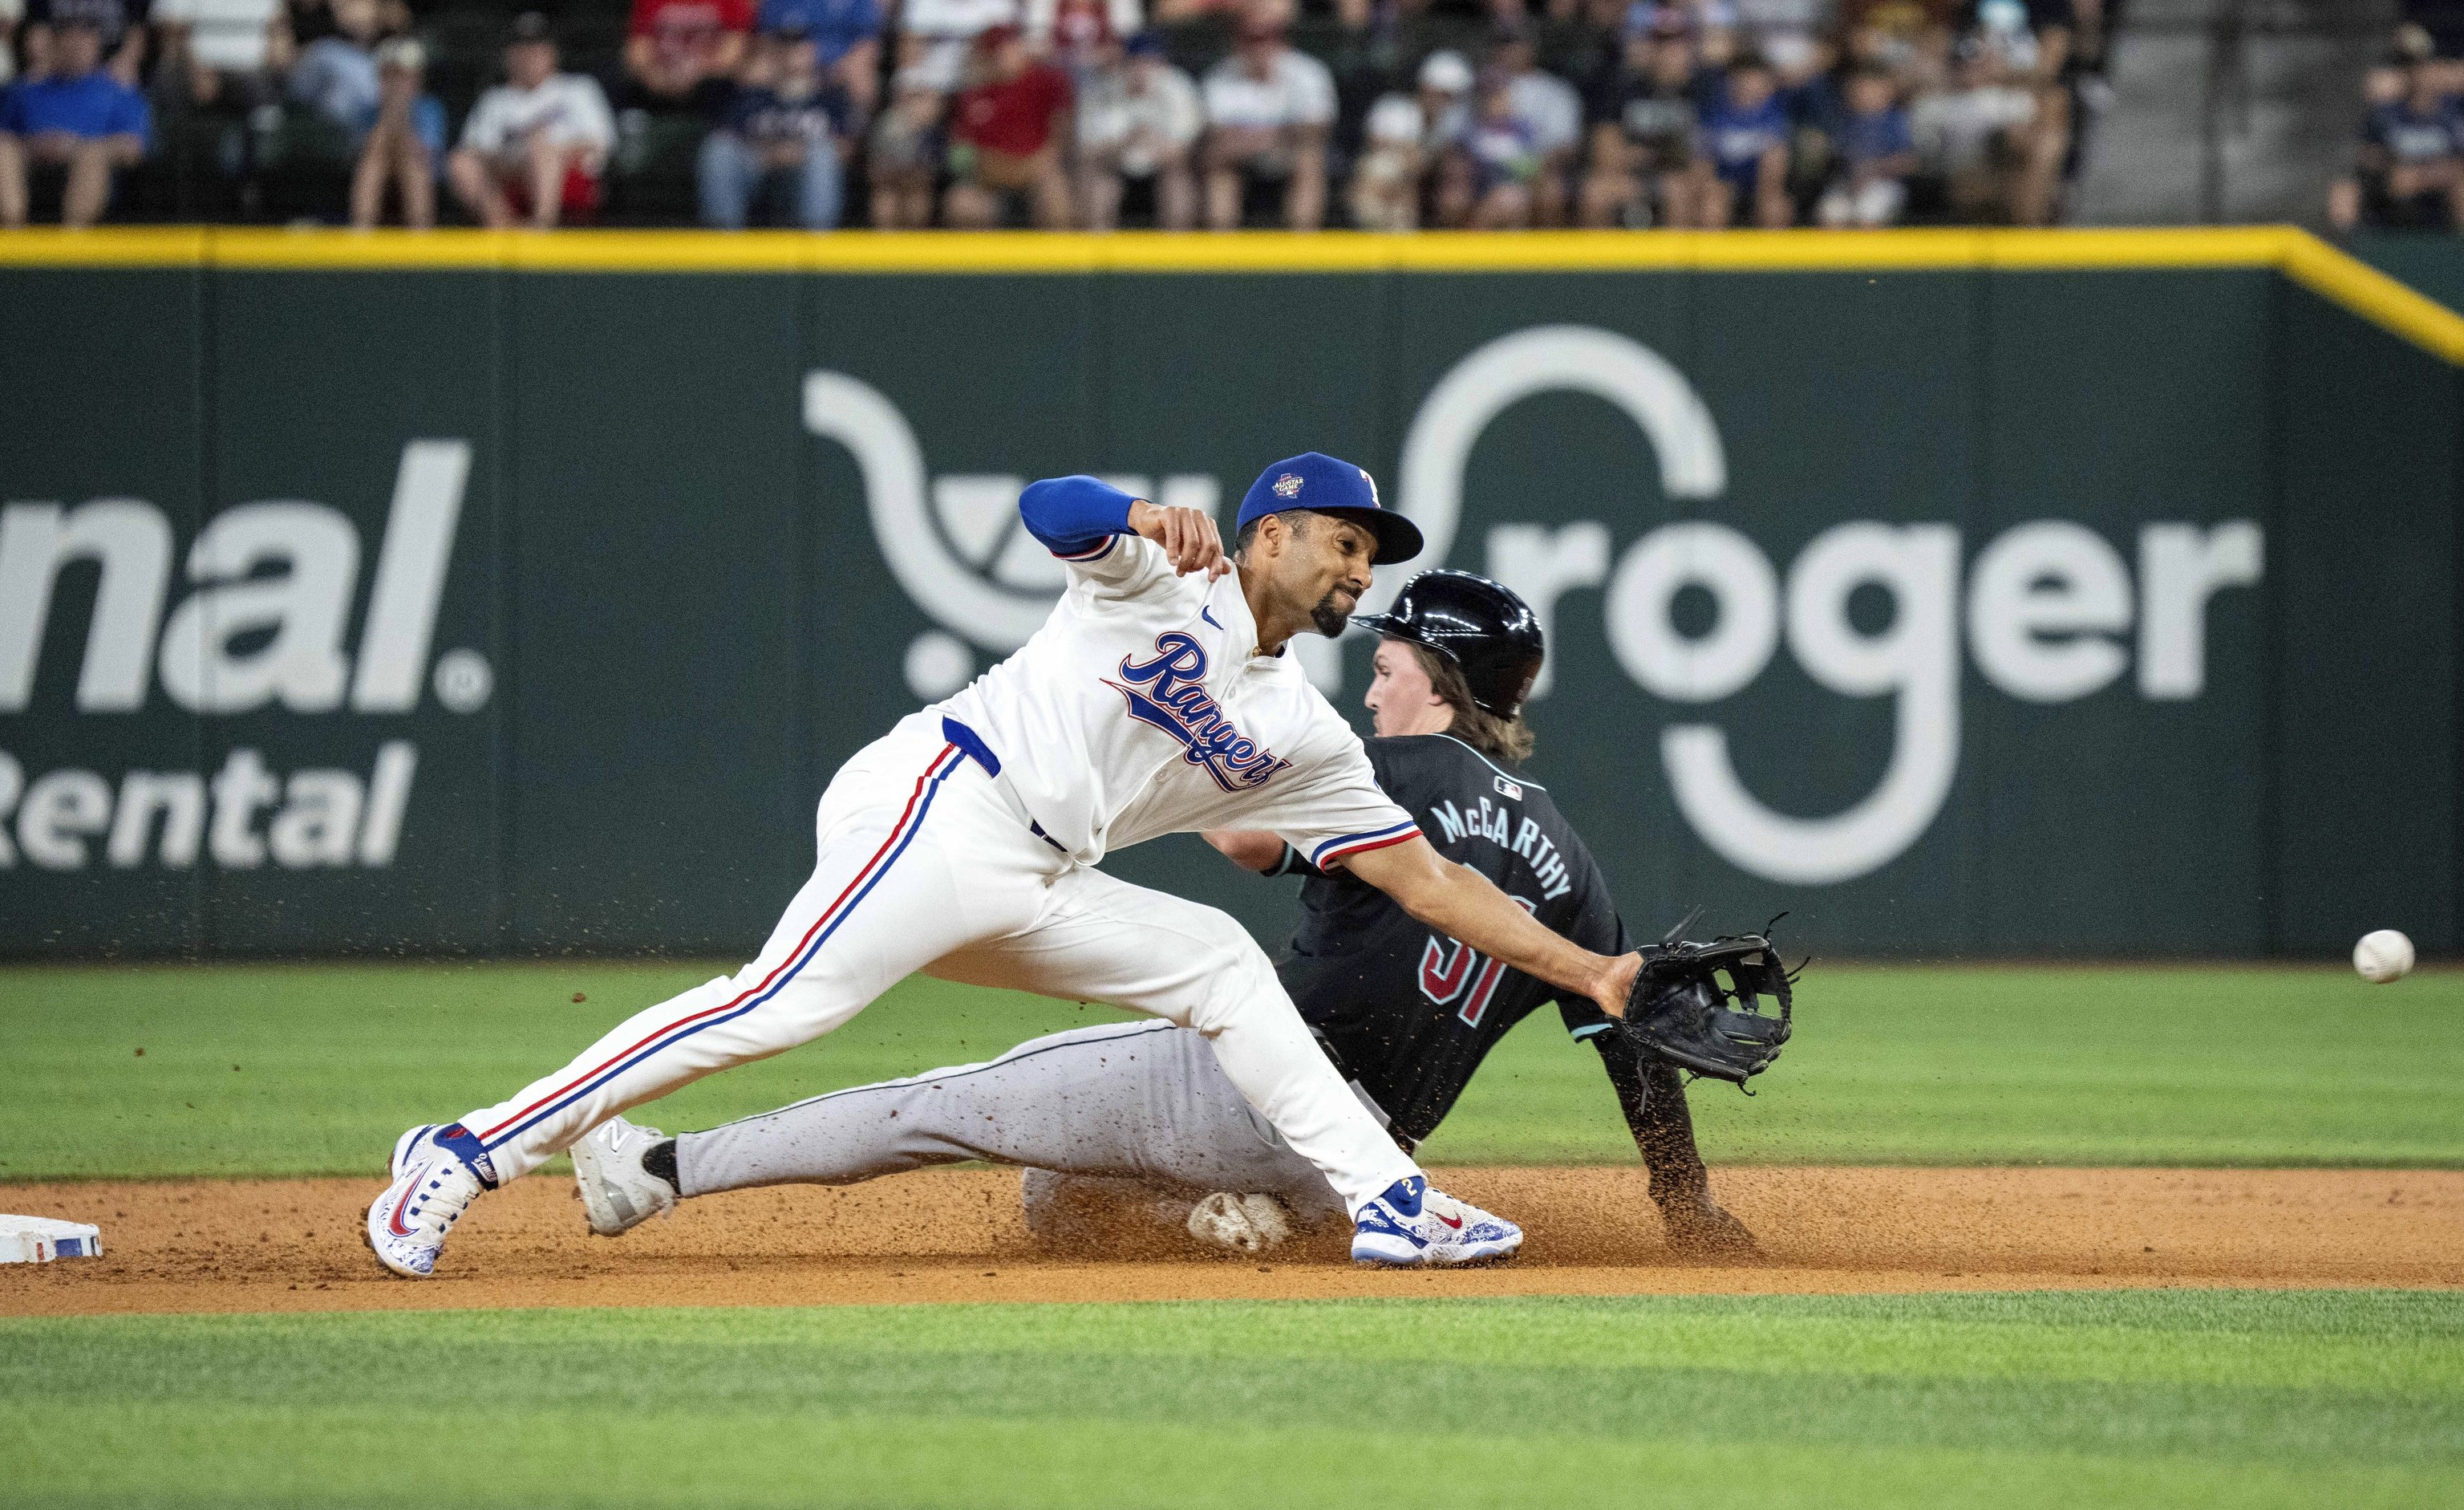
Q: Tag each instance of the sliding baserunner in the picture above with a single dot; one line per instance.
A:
(1158, 697)
(1137, 1123)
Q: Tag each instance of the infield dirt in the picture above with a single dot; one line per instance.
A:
(276, 1244)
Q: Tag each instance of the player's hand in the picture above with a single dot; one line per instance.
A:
(1187, 537)
(1616, 984)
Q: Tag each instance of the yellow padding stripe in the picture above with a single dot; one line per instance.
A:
(2390, 305)
(1141, 252)
(2332, 274)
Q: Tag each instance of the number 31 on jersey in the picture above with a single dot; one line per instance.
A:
(1451, 970)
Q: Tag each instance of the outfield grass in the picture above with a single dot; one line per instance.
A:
(1938, 1065)
(2148, 1398)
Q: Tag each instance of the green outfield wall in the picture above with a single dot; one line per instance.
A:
(1955, 604)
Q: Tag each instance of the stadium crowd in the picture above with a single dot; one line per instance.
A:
(1179, 114)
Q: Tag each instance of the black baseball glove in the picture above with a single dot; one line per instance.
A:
(1700, 1006)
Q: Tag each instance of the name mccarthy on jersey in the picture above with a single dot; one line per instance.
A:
(1492, 821)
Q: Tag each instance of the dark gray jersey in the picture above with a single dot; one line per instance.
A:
(1409, 1012)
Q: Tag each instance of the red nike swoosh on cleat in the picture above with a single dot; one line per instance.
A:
(1451, 1221)
(393, 1222)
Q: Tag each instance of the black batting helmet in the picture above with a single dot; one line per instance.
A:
(1483, 628)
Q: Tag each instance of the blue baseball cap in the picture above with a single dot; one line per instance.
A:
(1317, 484)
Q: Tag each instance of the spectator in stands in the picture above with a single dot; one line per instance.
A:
(11, 12)
(2031, 43)
(536, 144)
(1977, 137)
(120, 24)
(1268, 110)
(682, 54)
(1386, 176)
(904, 154)
(1082, 35)
(1875, 153)
(940, 35)
(1503, 152)
(846, 37)
(232, 53)
(1138, 122)
(336, 75)
(1743, 167)
(2411, 171)
(1006, 130)
(1406, 137)
(784, 132)
(78, 115)
(1550, 115)
(1642, 138)
(2361, 196)
(403, 140)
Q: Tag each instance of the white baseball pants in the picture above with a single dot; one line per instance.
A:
(927, 861)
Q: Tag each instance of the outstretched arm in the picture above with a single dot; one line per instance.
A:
(1466, 906)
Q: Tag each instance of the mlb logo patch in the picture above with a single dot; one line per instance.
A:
(1288, 485)
(1507, 788)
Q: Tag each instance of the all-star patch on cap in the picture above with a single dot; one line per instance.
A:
(1321, 484)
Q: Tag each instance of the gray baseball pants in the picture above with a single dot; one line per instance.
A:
(1140, 1104)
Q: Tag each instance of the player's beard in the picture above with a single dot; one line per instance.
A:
(1332, 613)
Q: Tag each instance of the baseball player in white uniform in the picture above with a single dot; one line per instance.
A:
(1158, 697)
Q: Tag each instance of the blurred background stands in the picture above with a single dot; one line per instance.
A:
(2193, 111)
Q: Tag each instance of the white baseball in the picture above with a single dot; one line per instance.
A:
(2384, 956)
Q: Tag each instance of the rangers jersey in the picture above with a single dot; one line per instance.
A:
(1143, 706)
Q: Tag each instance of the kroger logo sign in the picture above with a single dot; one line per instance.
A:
(2047, 611)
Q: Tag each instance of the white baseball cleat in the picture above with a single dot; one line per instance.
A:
(1409, 1224)
(617, 1193)
(1246, 1224)
(437, 1173)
